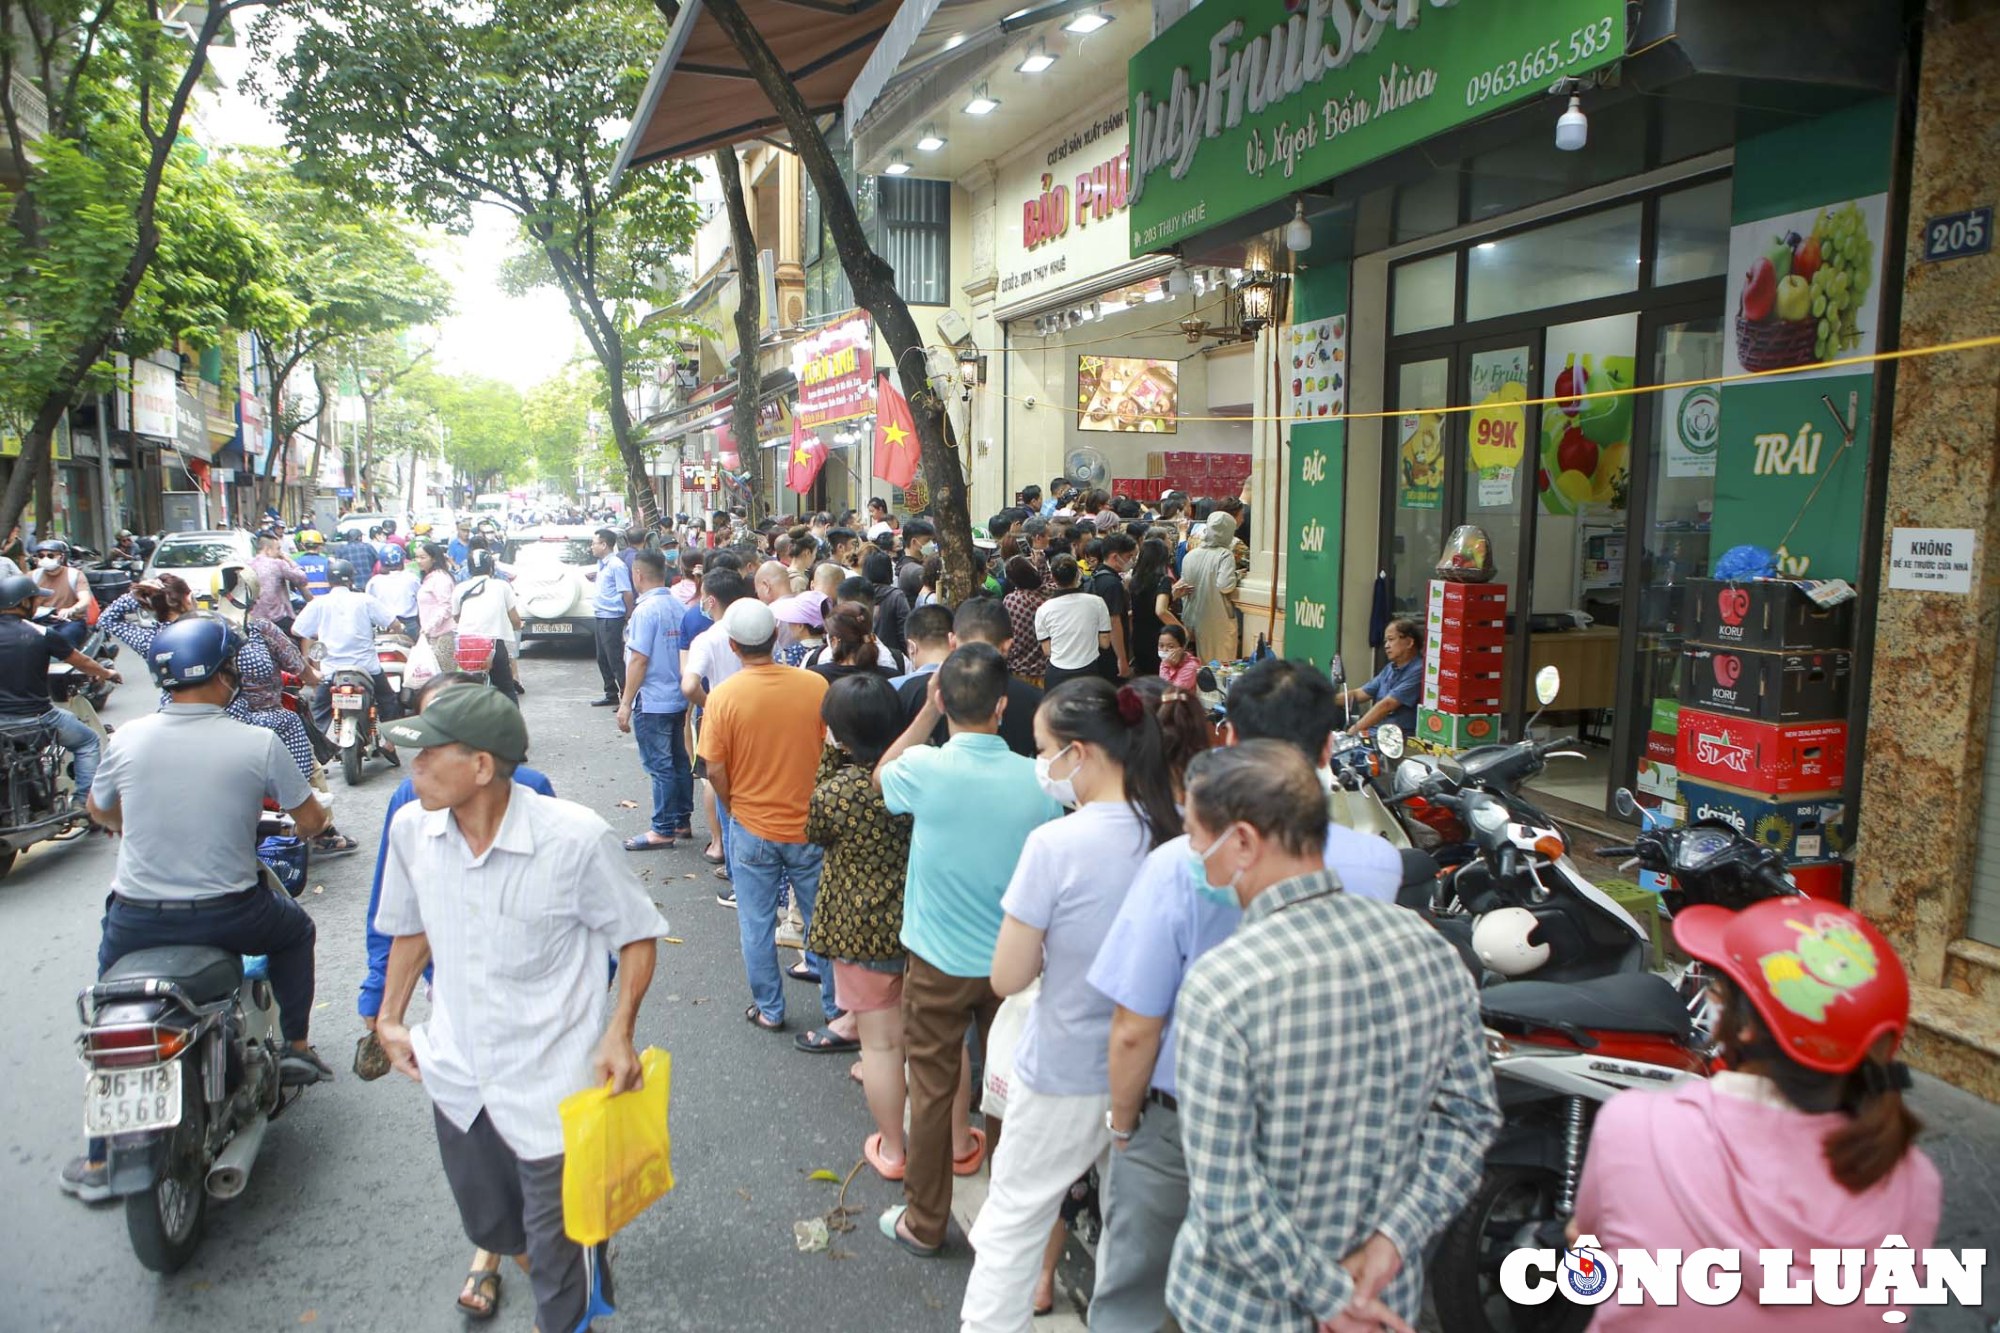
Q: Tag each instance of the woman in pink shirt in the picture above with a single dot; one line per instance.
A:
(1178, 666)
(434, 616)
(1802, 1144)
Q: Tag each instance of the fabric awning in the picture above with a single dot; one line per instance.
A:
(701, 97)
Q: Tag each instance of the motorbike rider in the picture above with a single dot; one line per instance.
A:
(1802, 1143)
(70, 597)
(197, 881)
(396, 586)
(26, 650)
(1393, 694)
(126, 547)
(312, 559)
(345, 621)
(356, 551)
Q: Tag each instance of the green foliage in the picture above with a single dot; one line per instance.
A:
(486, 433)
(567, 426)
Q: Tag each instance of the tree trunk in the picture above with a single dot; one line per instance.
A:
(638, 486)
(874, 284)
(749, 374)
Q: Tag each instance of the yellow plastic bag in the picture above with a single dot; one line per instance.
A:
(616, 1152)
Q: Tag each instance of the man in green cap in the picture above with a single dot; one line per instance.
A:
(514, 893)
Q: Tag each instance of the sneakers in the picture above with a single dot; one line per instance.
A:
(297, 1068)
(726, 898)
(604, 703)
(86, 1180)
(790, 936)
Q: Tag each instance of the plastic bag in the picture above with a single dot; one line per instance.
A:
(422, 663)
(287, 858)
(474, 653)
(1002, 1040)
(1467, 556)
(616, 1152)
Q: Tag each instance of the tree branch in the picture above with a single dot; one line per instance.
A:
(749, 375)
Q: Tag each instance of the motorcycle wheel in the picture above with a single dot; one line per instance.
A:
(1465, 1273)
(350, 763)
(165, 1222)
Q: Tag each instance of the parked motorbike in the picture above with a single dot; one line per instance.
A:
(1559, 1050)
(1356, 799)
(110, 577)
(182, 1046)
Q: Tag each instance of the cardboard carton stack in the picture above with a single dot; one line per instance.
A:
(1465, 649)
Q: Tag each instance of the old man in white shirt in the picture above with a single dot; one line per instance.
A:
(516, 895)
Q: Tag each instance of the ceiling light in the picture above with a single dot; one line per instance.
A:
(1113, 307)
(1157, 294)
(1572, 127)
(953, 42)
(898, 166)
(1038, 59)
(1484, 246)
(931, 140)
(1089, 21)
(981, 104)
(1298, 233)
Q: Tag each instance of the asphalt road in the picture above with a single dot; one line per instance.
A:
(347, 1223)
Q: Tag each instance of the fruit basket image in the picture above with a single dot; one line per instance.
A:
(1773, 344)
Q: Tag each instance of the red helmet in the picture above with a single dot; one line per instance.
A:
(1824, 980)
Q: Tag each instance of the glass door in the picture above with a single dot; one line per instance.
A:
(1420, 461)
(1497, 480)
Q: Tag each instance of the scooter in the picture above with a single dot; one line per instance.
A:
(351, 698)
(1559, 1050)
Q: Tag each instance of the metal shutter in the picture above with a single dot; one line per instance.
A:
(1984, 924)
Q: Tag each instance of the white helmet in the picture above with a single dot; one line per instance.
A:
(1502, 940)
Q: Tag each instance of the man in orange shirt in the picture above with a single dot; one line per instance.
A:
(761, 736)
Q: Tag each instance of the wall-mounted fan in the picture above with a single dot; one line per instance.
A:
(1088, 467)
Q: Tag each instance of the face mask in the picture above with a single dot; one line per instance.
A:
(50, 562)
(1222, 895)
(1060, 790)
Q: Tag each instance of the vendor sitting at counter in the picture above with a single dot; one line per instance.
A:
(1393, 694)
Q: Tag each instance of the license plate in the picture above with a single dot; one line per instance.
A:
(125, 1101)
(344, 702)
(554, 627)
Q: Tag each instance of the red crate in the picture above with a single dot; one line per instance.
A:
(1464, 700)
(1467, 632)
(1769, 757)
(1474, 657)
(1470, 597)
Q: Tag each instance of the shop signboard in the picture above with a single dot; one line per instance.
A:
(1316, 484)
(155, 411)
(835, 366)
(1062, 207)
(190, 424)
(1243, 102)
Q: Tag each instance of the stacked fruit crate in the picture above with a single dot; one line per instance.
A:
(1465, 650)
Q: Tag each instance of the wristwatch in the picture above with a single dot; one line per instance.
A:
(1117, 1134)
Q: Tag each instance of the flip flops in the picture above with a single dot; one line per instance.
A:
(477, 1280)
(825, 1041)
(757, 1020)
(887, 1224)
(969, 1164)
(645, 842)
(871, 1148)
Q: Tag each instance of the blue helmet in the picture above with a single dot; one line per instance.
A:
(392, 558)
(191, 650)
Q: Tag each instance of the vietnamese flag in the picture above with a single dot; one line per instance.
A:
(896, 449)
(807, 457)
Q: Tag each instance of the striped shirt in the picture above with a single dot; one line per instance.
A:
(518, 937)
(1333, 1083)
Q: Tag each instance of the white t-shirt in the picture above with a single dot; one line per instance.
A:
(481, 605)
(345, 621)
(877, 529)
(710, 657)
(1072, 622)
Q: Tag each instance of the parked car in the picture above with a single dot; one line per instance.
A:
(375, 520)
(196, 556)
(549, 584)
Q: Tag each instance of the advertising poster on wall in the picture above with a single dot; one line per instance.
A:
(835, 366)
(1498, 427)
(1692, 424)
(1127, 393)
(1586, 443)
(1420, 461)
(1316, 478)
(1803, 286)
(1319, 367)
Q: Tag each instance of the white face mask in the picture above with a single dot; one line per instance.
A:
(1060, 790)
(51, 562)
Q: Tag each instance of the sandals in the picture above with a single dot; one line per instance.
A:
(968, 1165)
(713, 858)
(871, 1148)
(756, 1019)
(887, 1224)
(646, 842)
(334, 844)
(475, 1288)
(825, 1041)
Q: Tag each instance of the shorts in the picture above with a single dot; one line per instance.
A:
(865, 988)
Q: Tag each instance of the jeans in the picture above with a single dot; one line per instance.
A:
(611, 653)
(663, 753)
(759, 869)
(75, 735)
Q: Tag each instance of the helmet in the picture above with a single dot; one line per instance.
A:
(18, 589)
(310, 537)
(191, 650)
(1823, 979)
(53, 546)
(340, 571)
(350, 534)
(235, 583)
(123, 533)
(392, 558)
(1503, 939)
(420, 529)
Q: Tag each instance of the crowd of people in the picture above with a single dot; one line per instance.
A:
(1278, 1074)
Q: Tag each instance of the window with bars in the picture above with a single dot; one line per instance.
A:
(914, 217)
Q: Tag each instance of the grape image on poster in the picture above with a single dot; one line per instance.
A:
(1805, 286)
(1317, 352)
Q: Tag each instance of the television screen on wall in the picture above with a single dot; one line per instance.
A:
(1127, 393)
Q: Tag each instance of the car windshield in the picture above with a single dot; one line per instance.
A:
(556, 550)
(196, 553)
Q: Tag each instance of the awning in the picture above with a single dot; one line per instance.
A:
(701, 97)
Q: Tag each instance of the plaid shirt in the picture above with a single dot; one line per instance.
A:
(1333, 1083)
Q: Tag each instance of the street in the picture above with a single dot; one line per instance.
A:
(347, 1223)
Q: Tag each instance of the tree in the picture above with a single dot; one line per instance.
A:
(562, 414)
(110, 82)
(515, 104)
(375, 363)
(485, 431)
(749, 375)
(353, 270)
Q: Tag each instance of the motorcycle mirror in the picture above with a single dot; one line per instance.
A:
(1548, 684)
(1622, 799)
(1389, 740)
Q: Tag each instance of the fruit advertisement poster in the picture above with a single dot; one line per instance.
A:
(1497, 431)
(1420, 461)
(1318, 352)
(1586, 443)
(1804, 286)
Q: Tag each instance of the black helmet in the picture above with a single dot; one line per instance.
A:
(18, 589)
(54, 545)
(340, 571)
(191, 650)
(480, 561)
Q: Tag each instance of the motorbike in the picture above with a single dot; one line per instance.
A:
(393, 651)
(110, 576)
(37, 782)
(354, 732)
(1560, 1049)
(1356, 799)
(181, 1044)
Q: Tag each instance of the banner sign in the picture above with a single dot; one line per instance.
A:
(1069, 196)
(190, 424)
(835, 366)
(155, 411)
(1243, 102)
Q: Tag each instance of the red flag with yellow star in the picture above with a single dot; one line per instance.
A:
(896, 451)
(807, 457)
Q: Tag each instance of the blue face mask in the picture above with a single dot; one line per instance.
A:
(1222, 895)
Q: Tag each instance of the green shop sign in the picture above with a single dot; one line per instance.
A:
(1243, 102)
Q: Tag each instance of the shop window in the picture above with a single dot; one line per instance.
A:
(1418, 463)
(916, 237)
(1532, 170)
(1585, 257)
(1427, 207)
(1425, 291)
(1693, 235)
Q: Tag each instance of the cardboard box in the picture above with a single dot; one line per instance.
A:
(1667, 715)
(1803, 826)
(1442, 628)
(1764, 613)
(1457, 731)
(1462, 700)
(1467, 596)
(1774, 758)
(1787, 686)
(1658, 779)
(1661, 746)
(1830, 880)
(1476, 658)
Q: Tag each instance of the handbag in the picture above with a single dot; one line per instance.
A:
(1002, 1040)
(422, 663)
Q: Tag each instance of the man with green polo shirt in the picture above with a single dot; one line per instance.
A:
(975, 802)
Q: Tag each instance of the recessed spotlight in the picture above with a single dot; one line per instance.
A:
(982, 102)
(931, 140)
(953, 42)
(1038, 59)
(898, 166)
(1089, 21)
